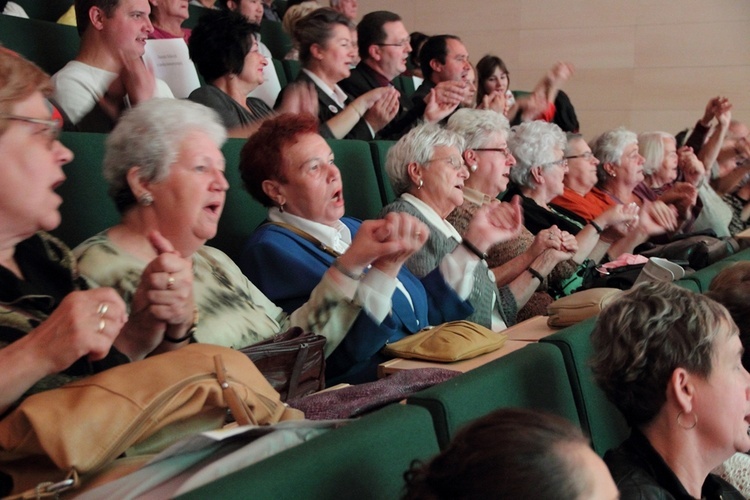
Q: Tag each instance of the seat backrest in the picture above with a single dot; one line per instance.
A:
(361, 191)
(365, 459)
(275, 38)
(599, 418)
(291, 69)
(194, 13)
(280, 73)
(703, 277)
(405, 85)
(87, 209)
(45, 10)
(379, 151)
(45, 43)
(532, 377)
(242, 213)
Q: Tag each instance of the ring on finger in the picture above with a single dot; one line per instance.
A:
(170, 282)
(102, 309)
(102, 325)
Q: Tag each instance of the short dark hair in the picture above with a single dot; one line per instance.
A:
(82, 8)
(316, 28)
(436, 47)
(509, 453)
(219, 43)
(486, 68)
(731, 288)
(262, 156)
(370, 30)
(417, 39)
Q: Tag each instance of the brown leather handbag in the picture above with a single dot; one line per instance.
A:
(293, 362)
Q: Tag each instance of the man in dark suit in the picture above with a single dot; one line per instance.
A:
(383, 48)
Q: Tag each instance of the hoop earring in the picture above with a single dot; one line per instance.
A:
(145, 199)
(421, 183)
(695, 422)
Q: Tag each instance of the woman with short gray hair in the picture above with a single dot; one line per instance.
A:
(670, 361)
(166, 172)
(428, 173)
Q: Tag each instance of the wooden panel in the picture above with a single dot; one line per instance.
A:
(691, 11)
(689, 88)
(591, 48)
(554, 14)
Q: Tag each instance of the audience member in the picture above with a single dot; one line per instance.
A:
(224, 49)
(292, 15)
(346, 7)
(514, 453)
(325, 53)
(670, 361)
(269, 11)
(253, 12)
(108, 74)
(289, 168)
(53, 327)
(167, 17)
(427, 173)
(166, 175)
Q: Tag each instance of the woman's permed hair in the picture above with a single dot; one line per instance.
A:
(533, 144)
(477, 126)
(651, 147)
(647, 333)
(510, 453)
(149, 137)
(609, 148)
(417, 146)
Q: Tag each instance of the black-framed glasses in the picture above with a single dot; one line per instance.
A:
(504, 151)
(403, 43)
(53, 127)
(586, 156)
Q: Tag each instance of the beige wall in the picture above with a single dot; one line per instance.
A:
(645, 64)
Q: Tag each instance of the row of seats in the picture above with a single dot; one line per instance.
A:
(87, 209)
(367, 458)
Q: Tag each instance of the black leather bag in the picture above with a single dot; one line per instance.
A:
(698, 249)
(293, 362)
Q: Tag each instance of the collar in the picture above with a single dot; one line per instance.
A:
(432, 217)
(381, 80)
(336, 94)
(337, 236)
(476, 197)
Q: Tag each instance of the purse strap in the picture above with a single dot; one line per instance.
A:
(302, 354)
(309, 237)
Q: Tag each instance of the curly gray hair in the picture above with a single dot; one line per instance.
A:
(609, 148)
(149, 137)
(417, 146)
(533, 144)
(477, 126)
(643, 336)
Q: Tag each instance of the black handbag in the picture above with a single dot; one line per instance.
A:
(697, 249)
(293, 362)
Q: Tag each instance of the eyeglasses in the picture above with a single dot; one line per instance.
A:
(454, 162)
(53, 127)
(562, 163)
(586, 156)
(403, 43)
(505, 151)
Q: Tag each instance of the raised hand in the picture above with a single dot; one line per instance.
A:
(494, 223)
(409, 232)
(384, 110)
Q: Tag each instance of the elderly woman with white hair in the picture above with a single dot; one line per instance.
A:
(490, 160)
(428, 173)
(166, 175)
(538, 178)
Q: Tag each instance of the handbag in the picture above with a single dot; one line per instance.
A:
(581, 305)
(293, 362)
(132, 409)
(451, 341)
(621, 277)
(697, 249)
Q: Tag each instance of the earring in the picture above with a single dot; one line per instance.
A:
(421, 183)
(695, 422)
(145, 199)
(474, 167)
(281, 207)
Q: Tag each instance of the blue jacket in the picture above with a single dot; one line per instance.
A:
(286, 267)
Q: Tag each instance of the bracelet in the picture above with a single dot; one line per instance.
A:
(535, 274)
(190, 331)
(596, 226)
(470, 247)
(346, 272)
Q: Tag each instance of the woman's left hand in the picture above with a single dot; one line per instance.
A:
(494, 223)
(410, 234)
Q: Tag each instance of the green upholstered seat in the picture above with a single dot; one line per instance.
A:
(599, 418)
(87, 209)
(45, 10)
(532, 377)
(292, 69)
(275, 38)
(703, 277)
(741, 255)
(47, 44)
(404, 84)
(194, 13)
(379, 152)
(280, 73)
(361, 191)
(689, 284)
(242, 214)
(365, 459)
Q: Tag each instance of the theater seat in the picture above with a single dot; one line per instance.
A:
(47, 44)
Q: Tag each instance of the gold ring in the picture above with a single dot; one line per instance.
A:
(170, 283)
(102, 324)
(102, 309)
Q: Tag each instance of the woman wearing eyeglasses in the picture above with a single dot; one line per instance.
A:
(428, 175)
(538, 178)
